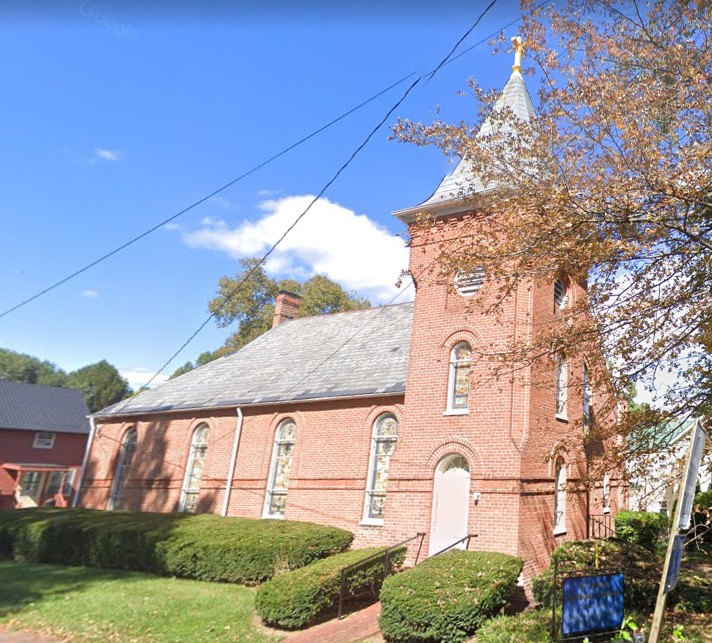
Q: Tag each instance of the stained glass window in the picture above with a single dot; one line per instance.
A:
(560, 498)
(586, 401)
(385, 434)
(562, 382)
(123, 468)
(459, 385)
(281, 464)
(194, 469)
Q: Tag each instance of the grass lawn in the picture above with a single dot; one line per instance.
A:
(88, 604)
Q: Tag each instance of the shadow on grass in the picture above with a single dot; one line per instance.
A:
(26, 584)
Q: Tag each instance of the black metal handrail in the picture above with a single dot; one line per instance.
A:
(602, 526)
(386, 553)
(457, 542)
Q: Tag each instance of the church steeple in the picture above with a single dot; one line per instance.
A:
(463, 182)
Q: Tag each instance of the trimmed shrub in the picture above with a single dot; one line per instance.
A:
(641, 528)
(204, 547)
(309, 595)
(447, 597)
(533, 626)
(641, 570)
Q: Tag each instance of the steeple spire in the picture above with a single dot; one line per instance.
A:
(518, 45)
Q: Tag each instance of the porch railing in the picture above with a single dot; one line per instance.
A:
(601, 526)
(465, 539)
(385, 554)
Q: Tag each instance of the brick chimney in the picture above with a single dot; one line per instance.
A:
(286, 307)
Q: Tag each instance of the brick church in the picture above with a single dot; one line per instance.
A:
(378, 421)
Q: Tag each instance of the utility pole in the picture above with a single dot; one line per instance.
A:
(681, 519)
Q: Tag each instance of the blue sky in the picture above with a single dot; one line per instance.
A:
(116, 116)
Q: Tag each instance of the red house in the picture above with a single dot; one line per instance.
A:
(43, 435)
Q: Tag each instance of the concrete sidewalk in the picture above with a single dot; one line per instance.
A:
(10, 636)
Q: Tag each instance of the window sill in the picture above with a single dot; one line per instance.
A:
(371, 522)
(562, 417)
(606, 510)
(273, 517)
(560, 531)
(457, 412)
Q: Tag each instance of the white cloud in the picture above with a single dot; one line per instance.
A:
(222, 202)
(173, 226)
(140, 376)
(332, 240)
(108, 155)
(88, 293)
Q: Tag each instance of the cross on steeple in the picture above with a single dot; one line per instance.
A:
(518, 51)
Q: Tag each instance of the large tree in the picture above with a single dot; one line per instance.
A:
(101, 385)
(612, 186)
(20, 367)
(248, 298)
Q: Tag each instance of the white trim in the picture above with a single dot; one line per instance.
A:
(560, 478)
(562, 393)
(87, 452)
(269, 490)
(454, 366)
(371, 522)
(365, 518)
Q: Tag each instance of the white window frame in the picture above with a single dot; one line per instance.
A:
(560, 498)
(376, 440)
(127, 452)
(606, 493)
(562, 387)
(44, 440)
(272, 479)
(451, 409)
(195, 447)
(587, 401)
(560, 301)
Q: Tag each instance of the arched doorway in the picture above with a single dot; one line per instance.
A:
(451, 503)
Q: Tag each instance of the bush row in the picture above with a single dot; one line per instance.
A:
(641, 528)
(639, 566)
(309, 595)
(447, 597)
(204, 547)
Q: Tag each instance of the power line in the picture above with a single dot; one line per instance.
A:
(446, 61)
(202, 200)
(353, 155)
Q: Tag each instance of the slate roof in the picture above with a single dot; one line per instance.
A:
(352, 354)
(33, 407)
(463, 181)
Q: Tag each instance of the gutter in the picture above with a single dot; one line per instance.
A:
(85, 460)
(233, 462)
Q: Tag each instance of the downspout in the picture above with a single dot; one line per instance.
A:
(85, 460)
(233, 462)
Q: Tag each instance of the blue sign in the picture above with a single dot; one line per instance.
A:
(592, 604)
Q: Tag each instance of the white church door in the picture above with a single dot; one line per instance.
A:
(451, 503)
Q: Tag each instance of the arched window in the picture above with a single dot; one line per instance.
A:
(383, 444)
(587, 415)
(278, 481)
(459, 381)
(559, 294)
(560, 498)
(123, 468)
(606, 493)
(562, 383)
(194, 469)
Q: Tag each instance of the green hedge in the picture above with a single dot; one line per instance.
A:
(641, 570)
(204, 547)
(309, 595)
(447, 597)
(533, 626)
(641, 528)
